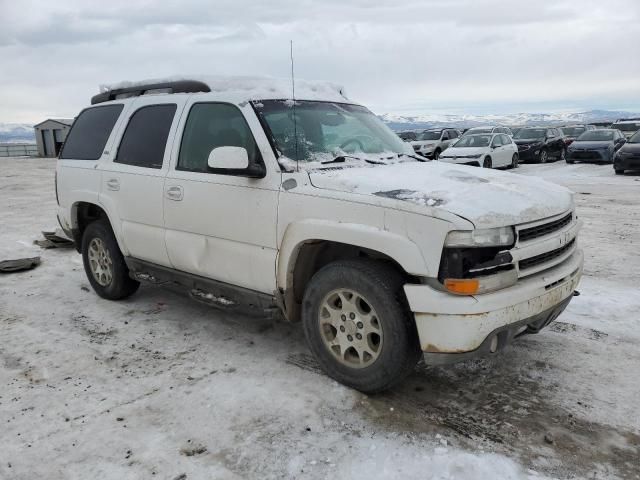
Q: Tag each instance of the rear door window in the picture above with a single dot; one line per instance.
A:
(90, 132)
(145, 139)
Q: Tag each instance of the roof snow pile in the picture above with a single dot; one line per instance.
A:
(252, 88)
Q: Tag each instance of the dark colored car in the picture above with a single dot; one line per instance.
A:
(539, 144)
(596, 146)
(628, 156)
(408, 136)
(571, 132)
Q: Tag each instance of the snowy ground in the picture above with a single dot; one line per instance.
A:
(159, 386)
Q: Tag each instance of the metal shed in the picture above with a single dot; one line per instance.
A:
(50, 135)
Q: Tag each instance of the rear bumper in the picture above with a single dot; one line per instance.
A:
(452, 328)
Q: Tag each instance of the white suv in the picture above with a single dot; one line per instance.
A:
(251, 200)
(431, 143)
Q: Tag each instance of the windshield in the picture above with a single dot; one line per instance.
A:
(327, 130)
(473, 141)
(530, 133)
(596, 136)
(429, 135)
(572, 131)
(473, 131)
(626, 127)
(635, 138)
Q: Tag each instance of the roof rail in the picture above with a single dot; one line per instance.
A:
(180, 86)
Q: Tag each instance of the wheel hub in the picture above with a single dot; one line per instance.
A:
(350, 328)
(100, 262)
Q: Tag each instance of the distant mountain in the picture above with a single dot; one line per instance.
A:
(17, 133)
(407, 122)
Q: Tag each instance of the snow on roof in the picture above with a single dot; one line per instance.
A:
(63, 121)
(253, 88)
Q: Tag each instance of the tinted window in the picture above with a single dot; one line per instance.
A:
(145, 138)
(453, 134)
(90, 132)
(212, 125)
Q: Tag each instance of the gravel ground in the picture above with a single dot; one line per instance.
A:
(159, 386)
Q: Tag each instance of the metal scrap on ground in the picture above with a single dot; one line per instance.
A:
(19, 265)
(54, 240)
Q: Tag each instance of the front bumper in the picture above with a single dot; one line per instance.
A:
(627, 162)
(589, 155)
(453, 328)
(529, 154)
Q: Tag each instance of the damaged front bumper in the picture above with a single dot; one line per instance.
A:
(453, 328)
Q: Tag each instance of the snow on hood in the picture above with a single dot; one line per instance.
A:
(486, 197)
(252, 88)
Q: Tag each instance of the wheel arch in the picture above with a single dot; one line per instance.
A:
(85, 212)
(307, 246)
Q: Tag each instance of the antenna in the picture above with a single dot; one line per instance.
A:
(293, 97)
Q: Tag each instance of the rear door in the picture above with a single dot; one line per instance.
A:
(133, 181)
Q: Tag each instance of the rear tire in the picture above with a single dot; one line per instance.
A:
(436, 154)
(563, 154)
(619, 172)
(487, 162)
(570, 162)
(104, 264)
(358, 324)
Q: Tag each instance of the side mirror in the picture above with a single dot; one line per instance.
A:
(229, 158)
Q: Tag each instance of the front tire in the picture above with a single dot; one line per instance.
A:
(436, 154)
(619, 172)
(487, 162)
(514, 161)
(358, 325)
(563, 154)
(104, 264)
(544, 156)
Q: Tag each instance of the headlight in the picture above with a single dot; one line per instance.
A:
(487, 237)
(474, 156)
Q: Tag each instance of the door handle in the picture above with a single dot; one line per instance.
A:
(113, 184)
(175, 193)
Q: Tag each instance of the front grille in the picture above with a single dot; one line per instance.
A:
(545, 229)
(586, 154)
(545, 257)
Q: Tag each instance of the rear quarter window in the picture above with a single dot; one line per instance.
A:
(90, 132)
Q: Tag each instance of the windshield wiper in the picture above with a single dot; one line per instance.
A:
(423, 159)
(343, 158)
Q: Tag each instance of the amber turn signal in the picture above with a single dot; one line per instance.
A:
(462, 286)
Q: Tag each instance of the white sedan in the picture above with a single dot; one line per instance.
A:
(486, 150)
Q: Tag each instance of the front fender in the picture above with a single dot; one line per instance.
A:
(401, 249)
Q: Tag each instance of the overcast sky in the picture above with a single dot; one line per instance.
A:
(475, 56)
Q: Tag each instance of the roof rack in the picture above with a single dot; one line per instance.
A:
(180, 86)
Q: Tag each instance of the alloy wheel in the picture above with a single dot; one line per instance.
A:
(100, 262)
(350, 328)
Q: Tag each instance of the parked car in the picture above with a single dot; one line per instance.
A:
(596, 146)
(489, 129)
(489, 150)
(408, 135)
(571, 132)
(316, 209)
(431, 143)
(628, 156)
(539, 144)
(627, 126)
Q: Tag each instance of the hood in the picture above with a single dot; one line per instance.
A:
(464, 151)
(588, 145)
(486, 197)
(424, 142)
(630, 148)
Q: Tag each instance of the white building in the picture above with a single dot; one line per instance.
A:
(50, 135)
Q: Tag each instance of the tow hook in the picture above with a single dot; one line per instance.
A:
(576, 293)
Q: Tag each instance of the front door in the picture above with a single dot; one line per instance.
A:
(132, 183)
(219, 223)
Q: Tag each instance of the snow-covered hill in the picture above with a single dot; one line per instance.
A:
(16, 133)
(400, 122)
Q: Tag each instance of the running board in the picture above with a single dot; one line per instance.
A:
(205, 290)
